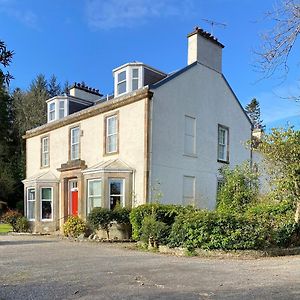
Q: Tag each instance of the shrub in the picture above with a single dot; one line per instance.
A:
(216, 230)
(22, 224)
(153, 231)
(239, 189)
(74, 226)
(163, 213)
(11, 217)
(121, 215)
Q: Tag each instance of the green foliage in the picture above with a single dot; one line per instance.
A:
(22, 224)
(216, 230)
(281, 152)
(11, 217)
(121, 215)
(163, 213)
(102, 218)
(74, 226)
(239, 188)
(154, 231)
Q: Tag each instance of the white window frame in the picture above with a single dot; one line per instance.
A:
(122, 81)
(188, 136)
(61, 109)
(122, 195)
(45, 153)
(135, 78)
(93, 196)
(30, 200)
(185, 198)
(224, 144)
(74, 144)
(41, 203)
(108, 135)
(52, 112)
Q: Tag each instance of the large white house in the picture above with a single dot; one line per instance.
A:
(159, 133)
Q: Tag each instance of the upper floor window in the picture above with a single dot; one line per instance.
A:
(52, 111)
(111, 134)
(223, 143)
(135, 79)
(190, 136)
(61, 109)
(45, 151)
(121, 85)
(74, 143)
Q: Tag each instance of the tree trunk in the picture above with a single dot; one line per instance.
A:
(297, 212)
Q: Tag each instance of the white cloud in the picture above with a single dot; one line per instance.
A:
(25, 16)
(128, 13)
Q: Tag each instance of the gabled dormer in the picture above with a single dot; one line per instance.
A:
(133, 76)
(79, 97)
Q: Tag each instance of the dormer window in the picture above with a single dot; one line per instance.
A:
(133, 76)
(61, 108)
(122, 82)
(52, 111)
(135, 79)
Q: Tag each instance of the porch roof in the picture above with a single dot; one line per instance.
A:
(47, 176)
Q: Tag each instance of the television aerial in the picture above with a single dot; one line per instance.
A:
(213, 24)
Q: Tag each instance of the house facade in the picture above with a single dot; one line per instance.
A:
(159, 134)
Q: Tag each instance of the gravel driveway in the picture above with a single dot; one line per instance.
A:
(49, 268)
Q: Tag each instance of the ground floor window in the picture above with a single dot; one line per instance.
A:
(31, 204)
(189, 190)
(116, 193)
(46, 204)
(94, 194)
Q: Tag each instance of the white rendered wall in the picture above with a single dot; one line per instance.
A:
(201, 93)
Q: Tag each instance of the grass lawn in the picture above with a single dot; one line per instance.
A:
(4, 228)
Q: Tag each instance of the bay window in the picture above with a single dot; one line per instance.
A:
(116, 193)
(121, 84)
(46, 203)
(94, 196)
(30, 204)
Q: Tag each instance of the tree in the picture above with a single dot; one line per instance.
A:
(278, 43)
(54, 88)
(253, 111)
(5, 59)
(281, 152)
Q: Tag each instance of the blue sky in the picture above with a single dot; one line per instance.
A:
(83, 40)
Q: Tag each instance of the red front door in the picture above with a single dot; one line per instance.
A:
(74, 195)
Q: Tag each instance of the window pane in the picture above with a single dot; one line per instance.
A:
(135, 84)
(122, 76)
(31, 210)
(31, 194)
(114, 201)
(112, 143)
(46, 194)
(52, 106)
(52, 115)
(75, 152)
(46, 210)
(135, 73)
(122, 87)
(112, 125)
(115, 187)
(222, 152)
(75, 135)
(61, 104)
(61, 113)
(95, 188)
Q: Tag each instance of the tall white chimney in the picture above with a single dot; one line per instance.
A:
(205, 48)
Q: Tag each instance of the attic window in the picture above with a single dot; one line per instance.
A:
(52, 111)
(61, 108)
(122, 83)
(135, 79)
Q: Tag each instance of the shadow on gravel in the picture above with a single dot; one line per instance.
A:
(24, 242)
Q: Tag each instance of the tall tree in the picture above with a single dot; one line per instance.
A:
(253, 111)
(278, 42)
(54, 88)
(5, 59)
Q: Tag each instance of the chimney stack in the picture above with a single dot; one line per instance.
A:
(205, 48)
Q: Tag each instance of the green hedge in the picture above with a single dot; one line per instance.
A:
(215, 230)
(163, 213)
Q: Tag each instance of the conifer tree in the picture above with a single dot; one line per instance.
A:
(253, 111)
